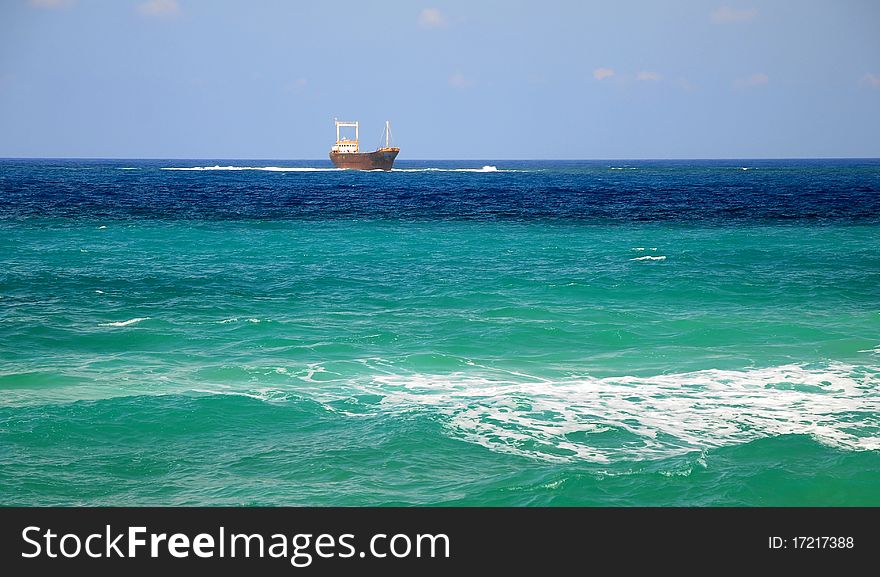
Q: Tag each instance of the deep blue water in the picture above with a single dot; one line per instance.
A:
(707, 191)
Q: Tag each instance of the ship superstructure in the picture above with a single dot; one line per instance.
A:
(346, 152)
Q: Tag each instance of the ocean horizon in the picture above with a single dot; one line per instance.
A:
(458, 332)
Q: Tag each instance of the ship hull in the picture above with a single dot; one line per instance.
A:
(382, 159)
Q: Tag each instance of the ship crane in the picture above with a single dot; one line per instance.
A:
(345, 145)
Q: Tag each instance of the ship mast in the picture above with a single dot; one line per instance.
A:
(387, 132)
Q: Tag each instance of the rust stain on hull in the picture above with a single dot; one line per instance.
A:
(382, 159)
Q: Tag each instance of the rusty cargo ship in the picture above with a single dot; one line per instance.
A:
(346, 153)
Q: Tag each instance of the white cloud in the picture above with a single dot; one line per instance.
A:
(296, 86)
(159, 8)
(459, 80)
(646, 75)
(756, 79)
(602, 73)
(684, 84)
(871, 80)
(536, 78)
(728, 14)
(49, 3)
(432, 18)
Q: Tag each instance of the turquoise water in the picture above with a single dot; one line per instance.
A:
(560, 334)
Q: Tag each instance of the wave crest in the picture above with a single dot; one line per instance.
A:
(129, 322)
(649, 257)
(635, 418)
(265, 168)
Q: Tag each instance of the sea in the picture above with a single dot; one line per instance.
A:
(469, 333)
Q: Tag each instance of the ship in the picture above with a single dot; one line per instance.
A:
(346, 153)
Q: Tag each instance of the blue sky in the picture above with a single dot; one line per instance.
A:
(458, 79)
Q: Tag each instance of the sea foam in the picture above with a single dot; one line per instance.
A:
(486, 168)
(655, 417)
(265, 168)
(615, 419)
(129, 322)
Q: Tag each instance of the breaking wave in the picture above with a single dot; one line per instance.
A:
(600, 420)
(265, 168)
(486, 168)
(617, 419)
(633, 418)
(129, 322)
(649, 257)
